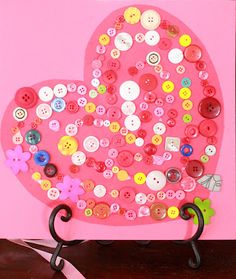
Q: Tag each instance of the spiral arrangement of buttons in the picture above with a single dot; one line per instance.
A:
(139, 137)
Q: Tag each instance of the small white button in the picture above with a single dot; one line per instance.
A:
(140, 198)
(20, 114)
(78, 158)
(159, 128)
(129, 90)
(53, 194)
(128, 108)
(44, 111)
(99, 191)
(139, 142)
(71, 129)
(152, 38)
(156, 180)
(175, 55)
(91, 144)
(45, 94)
(132, 122)
(60, 90)
(123, 41)
(210, 150)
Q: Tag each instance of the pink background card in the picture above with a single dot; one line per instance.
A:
(47, 40)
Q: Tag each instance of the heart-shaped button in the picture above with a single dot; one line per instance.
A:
(133, 141)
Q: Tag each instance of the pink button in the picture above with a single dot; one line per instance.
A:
(100, 49)
(54, 125)
(98, 122)
(114, 113)
(143, 211)
(167, 156)
(164, 75)
(96, 64)
(113, 64)
(104, 142)
(127, 194)
(33, 149)
(114, 208)
(111, 32)
(180, 195)
(108, 174)
(159, 111)
(97, 73)
(191, 131)
(100, 110)
(159, 102)
(118, 141)
(150, 97)
(82, 89)
(170, 99)
(71, 87)
(203, 75)
(112, 153)
(151, 197)
(140, 65)
(81, 204)
(158, 160)
(188, 184)
(130, 215)
(143, 106)
(111, 99)
(109, 163)
(170, 194)
(161, 195)
(82, 101)
(79, 122)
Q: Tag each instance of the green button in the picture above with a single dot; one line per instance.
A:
(102, 89)
(204, 158)
(32, 137)
(187, 118)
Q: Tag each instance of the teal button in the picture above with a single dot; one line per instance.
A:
(32, 137)
(186, 82)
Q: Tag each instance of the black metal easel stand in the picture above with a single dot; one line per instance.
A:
(193, 263)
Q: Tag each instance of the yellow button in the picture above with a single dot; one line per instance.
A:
(114, 193)
(115, 169)
(88, 212)
(36, 176)
(102, 89)
(187, 105)
(90, 107)
(122, 175)
(45, 184)
(104, 39)
(204, 158)
(114, 127)
(132, 15)
(168, 86)
(67, 145)
(140, 178)
(173, 212)
(185, 93)
(185, 40)
(157, 139)
(130, 138)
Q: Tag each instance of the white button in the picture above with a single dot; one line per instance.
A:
(129, 90)
(153, 58)
(45, 94)
(150, 19)
(152, 38)
(144, 211)
(99, 191)
(159, 128)
(20, 114)
(60, 90)
(17, 138)
(210, 150)
(82, 89)
(106, 123)
(78, 158)
(132, 122)
(44, 111)
(91, 144)
(95, 82)
(140, 198)
(128, 108)
(139, 38)
(71, 129)
(82, 102)
(139, 142)
(123, 41)
(172, 144)
(53, 194)
(175, 55)
(156, 180)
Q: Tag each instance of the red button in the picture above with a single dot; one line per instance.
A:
(74, 168)
(132, 71)
(150, 97)
(148, 82)
(209, 108)
(150, 149)
(172, 113)
(171, 122)
(193, 53)
(100, 166)
(145, 116)
(90, 162)
(201, 65)
(165, 44)
(113, 64)
(148, 160)
(207, 128)
(111, 99)
(109, 76)
(72, 106)
(141, 133)
(191, 131)
(88, 120)
(114, 113)
(111, 89)
(26, 97)
(209, 91)
(125, 158)
(194, 168)
(127, 194)
(164, 24)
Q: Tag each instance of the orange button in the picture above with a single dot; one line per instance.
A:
(88, 185)
(101, 210)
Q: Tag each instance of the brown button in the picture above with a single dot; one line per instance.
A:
(158, 211)
(101, 210)
(209, 107)
(194, 168)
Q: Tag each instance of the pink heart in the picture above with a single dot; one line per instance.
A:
(145, 124)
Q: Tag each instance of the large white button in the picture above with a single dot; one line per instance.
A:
(91, 144)
(140, 198)
(152, 38)
(159, 128)
(175, 55)
(153, 58)
(132, 122)
(99, 191)
(128, 108)
(60, 90)
(210, 150)
(129, 90)
(123, 41)
(150, 19)
(45, 94)
(44, 111)
(156, 180)
(78, 158)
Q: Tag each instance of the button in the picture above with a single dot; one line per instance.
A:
(60, 90)
(115, 53)
(82, 102)
(132, 15)
(172, 113)
(191, 131)
(187, 105)
(159, 128)
(173, 175)
(153, 58)
(167, 156)
(164, 75)
(207, 128)
(180, 69)
(58, 104)
(150, 19)
(123, 41)
(125, 158)
(114, 127)
(158, 211)
(101, 210)
(172, 144)
(165, 44)
(127, 194)
(99, 191)
(187, 118)
(88, 185)
(45, 184)
(20, 114)
(88, 120)
(91, 144)
(145, 116)
(209, 108)
(90, 107)
(71, 129)
(185, 93)
(91, 203)
(186, 150)
(130, 215)
(170, 194)
(139, 178)
(53, 194)
(50, 170)
(140, 198)
(74, 168)
(156, 180)
(26, 97)
(185, 40)
(157, 139)
(148, 160)
(72, 107)
(32, 137)
(173, 212)
(150, 149)
(139, 37)
(100, 166)
(175, 56)
(67, 145)
(168, 86)
(111, 99)
(193, 53)
(148, 82)
(188, 184)
(209, 91)
(128, 108)
(144, 211)
(201, 65)
(114, 208)
(171, 122)
(210, 150)
(140, 65)
(132, 122)
(78, 158)
(130, 138)
(186, 82)
(180, 195)
(152, 38)
(109, 77)
(150, 97)
(132, 71)
(113, 64)
(104, 39)
(172, 30)
(41, 158)
(204, 158)
(194, 168)
(82, 89)
(45, 94)
(139, 142)
(161, 195)
(88, 212)
(71, 87)
(111, 32)
(129, 90)
(81, 204)
(114, 113)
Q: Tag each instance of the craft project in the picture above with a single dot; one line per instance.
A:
(136, 139)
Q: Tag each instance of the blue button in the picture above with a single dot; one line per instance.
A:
(186, 82)
(186, 150)
(41, 158)
(58, 104)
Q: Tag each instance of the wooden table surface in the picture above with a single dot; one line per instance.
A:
(123, 259)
